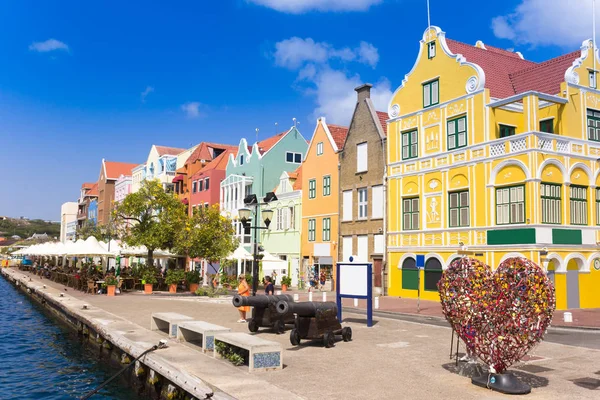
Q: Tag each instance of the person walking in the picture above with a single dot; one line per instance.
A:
(243, 290)
(269, 288)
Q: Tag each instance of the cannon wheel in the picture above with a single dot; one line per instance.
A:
(252, 326)
(279, 326)
(347, 334)
(329, 339)
(294, 337)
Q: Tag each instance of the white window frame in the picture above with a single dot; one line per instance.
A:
(362, 157)
(320, 148)
(362, 248)
(363, 202)
(347, 205)
(346, 248)
(295, 156)
(378, 244)
(377, 202)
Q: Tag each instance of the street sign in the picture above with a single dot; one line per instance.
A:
(420, 261)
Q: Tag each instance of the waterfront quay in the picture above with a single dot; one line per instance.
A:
(393, 359)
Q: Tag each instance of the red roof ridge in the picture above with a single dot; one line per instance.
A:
(576, 54)
(219, 162)
(383, 117)
(495, 53)
(173, 151)
(500, 50)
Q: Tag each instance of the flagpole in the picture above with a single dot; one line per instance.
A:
(429, 19)
(594, 37)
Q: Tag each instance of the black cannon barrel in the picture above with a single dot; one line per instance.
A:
(306, 309)
(259, 301)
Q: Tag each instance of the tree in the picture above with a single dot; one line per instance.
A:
(101, 232)
(207, 235)
(153, 217)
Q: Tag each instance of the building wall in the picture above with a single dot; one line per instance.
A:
(68, 215)
(213, 194)
(122, 187)
(316, 167)
(482, 169)
(362, 129)
(93, 211)
(138, 176)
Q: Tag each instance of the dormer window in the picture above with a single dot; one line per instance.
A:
(431, 50)
(319, 148)
(292, 157)
(242, 159)
(592, 77)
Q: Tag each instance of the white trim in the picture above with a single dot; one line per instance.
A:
(561, 264)
(556, 163)
(452, 257)
(584, 167)
(435, 106)
(436, 256)
(506, 163)
(583, 267)
(509, 255)
(404, 257)
(520, 96)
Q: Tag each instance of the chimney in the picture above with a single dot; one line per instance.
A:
(364, 92)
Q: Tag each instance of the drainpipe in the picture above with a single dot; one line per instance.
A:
(384, 181)
(340, 238)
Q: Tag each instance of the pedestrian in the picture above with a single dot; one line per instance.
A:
(269, 288)
(243, 290)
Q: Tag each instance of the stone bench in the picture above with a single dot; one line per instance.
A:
(167, 322)
(263, 354)
(200, 332)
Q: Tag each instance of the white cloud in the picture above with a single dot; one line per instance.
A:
(146, 92)
(293, 53)
(48, 45)
(547, 22)
(192, 109)
(301, 6)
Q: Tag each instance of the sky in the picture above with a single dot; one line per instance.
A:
(81, 81)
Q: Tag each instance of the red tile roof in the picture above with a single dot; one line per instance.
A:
(116, 169)
(219, 163)
(338, 133)
(93, 191)
(298, 176)
(383, 117)
(266, 144)
(87, 185)
(172, 151)
(203, 151)
(506, 74)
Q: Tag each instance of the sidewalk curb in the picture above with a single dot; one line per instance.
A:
(441, 319)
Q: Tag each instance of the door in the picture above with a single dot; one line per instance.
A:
(377, 264)
(572, 288)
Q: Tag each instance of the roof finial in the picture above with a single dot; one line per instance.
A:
(257, 135)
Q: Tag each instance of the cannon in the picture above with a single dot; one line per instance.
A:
(264, 314)
(314, 321)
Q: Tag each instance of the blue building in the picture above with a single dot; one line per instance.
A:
(93, 212)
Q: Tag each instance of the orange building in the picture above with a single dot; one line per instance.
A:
(320, 199)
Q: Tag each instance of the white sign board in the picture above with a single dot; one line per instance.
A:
(322, 250)
(353, 280)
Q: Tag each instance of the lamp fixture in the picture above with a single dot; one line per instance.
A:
(267, 216)
(244, 214)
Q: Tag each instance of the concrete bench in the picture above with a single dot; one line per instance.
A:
(167, 322)
(200, 332)
(263, 354)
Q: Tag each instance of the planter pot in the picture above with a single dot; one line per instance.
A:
(284, 288)
(173, 288)
(110, 290)
(147, 288)
(193, 287)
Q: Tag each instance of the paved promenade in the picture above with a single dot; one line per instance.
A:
(394, 359)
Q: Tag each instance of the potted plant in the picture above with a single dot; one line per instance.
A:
(286, 281)
(174, 276)
(149, 279)
(193, 279)
(111, 284)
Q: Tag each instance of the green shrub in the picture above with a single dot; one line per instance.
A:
(149, 276)
(286, 280)
(110, 280)
(235, 355)
(174, 276)
(192, 277)
(210, 292)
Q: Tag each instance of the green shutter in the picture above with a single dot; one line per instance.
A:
(410, 279)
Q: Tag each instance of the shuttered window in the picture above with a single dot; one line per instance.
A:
(551, 204)
(361, 157)
(458, 209)
(510, 205)
(410, 214)
(347, 205)
(579, 214)
(377, 203)
(457, 133)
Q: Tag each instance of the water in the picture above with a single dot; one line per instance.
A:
(43, 359)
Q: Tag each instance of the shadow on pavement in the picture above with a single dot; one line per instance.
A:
(587, 383)
(469, 370)
(359, 321)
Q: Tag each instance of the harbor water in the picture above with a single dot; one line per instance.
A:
(44, 359)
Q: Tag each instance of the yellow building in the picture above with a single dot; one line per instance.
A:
(494, 156)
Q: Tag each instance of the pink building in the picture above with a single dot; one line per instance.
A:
(122, 187)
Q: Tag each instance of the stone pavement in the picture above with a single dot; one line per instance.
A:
(393, 359)
(582, 318)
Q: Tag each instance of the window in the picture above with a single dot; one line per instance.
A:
(578, 205)
(291, 218)
(312, 227)
(312, 188)
(547, 125)
(326, 229)
(279, 219)
(431, 93)
(510, 205)
(597, 206)
(592, 77)
(362, 251)
(319, 148)
(410, 145)
(593, 123)
(410, 214)
(410, 274)
(457, 133)
(377, 201)
(242, 159)
(326, 185)
(347, 205)
(362, 203)
(292, 157)
(506, 131)
(378, 247)
(346, 248)
(206, 183)
(361, 157)
(432, 273)
(551, 209)
(194, 186)
(458, 206)
(200, 185)
(431, 49)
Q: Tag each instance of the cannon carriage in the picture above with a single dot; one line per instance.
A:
(264, 313)
(314, 321)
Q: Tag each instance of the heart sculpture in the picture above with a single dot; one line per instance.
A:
(499, 315)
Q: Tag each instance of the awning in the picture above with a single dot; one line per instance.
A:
(178, 178)
(325, 261)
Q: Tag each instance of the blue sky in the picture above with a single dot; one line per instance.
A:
(82, 81)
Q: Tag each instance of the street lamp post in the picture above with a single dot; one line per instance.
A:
(245, 216)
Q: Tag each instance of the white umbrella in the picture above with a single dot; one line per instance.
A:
(269, 257)
(90, 247)
(240, 254)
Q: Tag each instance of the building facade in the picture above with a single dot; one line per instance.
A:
(110, 171)
(122, 187)
(88, 193)
(93, 212)
(256, 170)
(362, 185)
(494, 156)
(282, 239)
(321, 200)
(206, 183)
(68, 220)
